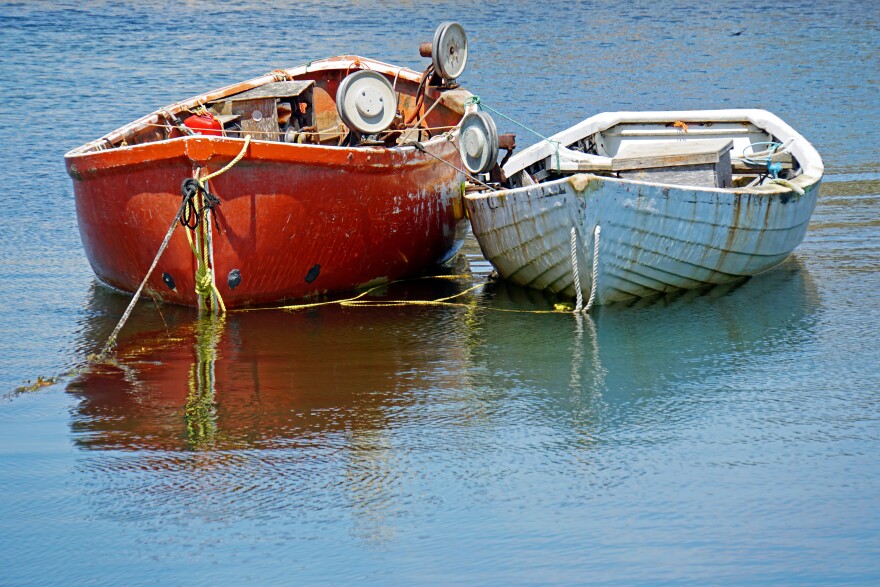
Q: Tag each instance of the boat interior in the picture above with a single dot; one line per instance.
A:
(712, 154)
(300, 107)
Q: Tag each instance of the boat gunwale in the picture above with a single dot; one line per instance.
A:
(812, 168)
(770, 189)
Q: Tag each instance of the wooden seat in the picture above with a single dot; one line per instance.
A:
(704, 163)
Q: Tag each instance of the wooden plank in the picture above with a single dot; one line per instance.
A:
(226, 118)
(274, 90)
(259, 117)
(677, 132)
(647, 155)
(702, 175)
(569, 161)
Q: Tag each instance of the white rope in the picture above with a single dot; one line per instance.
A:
(215, 307)
(112, 339)
(576, 273)
(579, 306)
(595, 276)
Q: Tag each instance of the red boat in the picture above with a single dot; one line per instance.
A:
(343, 175)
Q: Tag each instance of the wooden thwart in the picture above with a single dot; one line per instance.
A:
(648, 155)
(704, 163)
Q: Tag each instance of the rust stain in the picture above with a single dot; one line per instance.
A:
(731, 232)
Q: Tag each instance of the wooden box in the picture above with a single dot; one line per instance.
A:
(703, 163)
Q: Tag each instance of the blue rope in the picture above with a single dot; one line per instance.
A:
(476, 100)
(773, 167)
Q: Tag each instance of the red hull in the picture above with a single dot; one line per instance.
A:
(296, 220)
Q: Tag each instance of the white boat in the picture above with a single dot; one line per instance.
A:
(630, 204)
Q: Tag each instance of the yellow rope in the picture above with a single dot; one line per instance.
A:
(356, 301)
(231, 164)
(204, 278)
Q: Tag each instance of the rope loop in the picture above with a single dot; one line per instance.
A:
(192, 217)
(580, 308)
(765, 157)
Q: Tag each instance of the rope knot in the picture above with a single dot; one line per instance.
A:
(473, 100)
(191, 217)
(204, 282)
(211, 200)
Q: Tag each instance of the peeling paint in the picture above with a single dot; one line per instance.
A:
(640, 203)
(584, 183)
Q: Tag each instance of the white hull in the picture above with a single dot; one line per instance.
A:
(654, 237)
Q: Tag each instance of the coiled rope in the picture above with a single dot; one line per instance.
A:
(576, 272)
(595, 275)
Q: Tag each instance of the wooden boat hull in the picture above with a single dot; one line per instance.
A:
(295, 220)
(653, 238)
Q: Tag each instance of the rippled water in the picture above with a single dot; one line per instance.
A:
(726, 436)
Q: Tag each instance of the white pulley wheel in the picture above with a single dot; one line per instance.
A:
(478, 142)
(449, 50)
(366, 102)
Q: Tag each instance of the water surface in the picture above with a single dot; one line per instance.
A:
(726, 436)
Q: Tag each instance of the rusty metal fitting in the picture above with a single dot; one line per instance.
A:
(507, 141)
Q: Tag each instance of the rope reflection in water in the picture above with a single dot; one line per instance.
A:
(200, 412)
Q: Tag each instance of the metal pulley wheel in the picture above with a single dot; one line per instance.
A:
(366, 102)
(478, 142)
(449, 50)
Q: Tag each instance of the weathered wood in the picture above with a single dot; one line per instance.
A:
(696, 163)
(646, 155)
(703, 175)
(227, 118)
(258, 116)
(290, 89)
(677, 132)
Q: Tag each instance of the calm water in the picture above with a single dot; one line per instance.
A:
(720, 437)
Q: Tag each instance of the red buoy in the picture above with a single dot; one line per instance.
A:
(204, 124)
